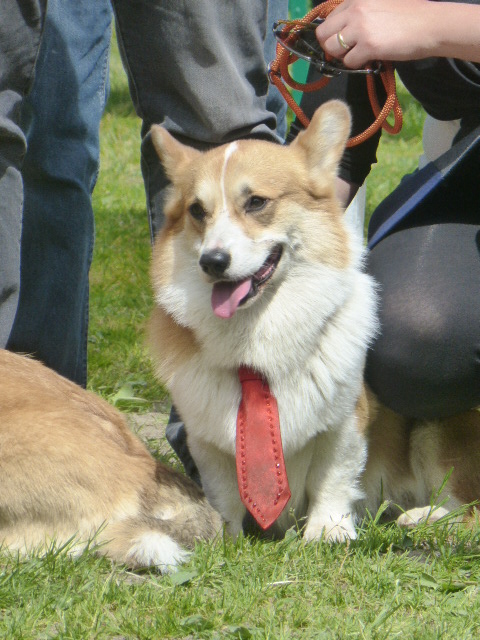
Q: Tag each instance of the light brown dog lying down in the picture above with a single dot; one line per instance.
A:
(70, 467)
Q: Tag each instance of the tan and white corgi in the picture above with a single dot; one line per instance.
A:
(256, 267)
(71, 472)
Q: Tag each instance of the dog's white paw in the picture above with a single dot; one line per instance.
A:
(158, 550)
(330, 530)
(420, 515)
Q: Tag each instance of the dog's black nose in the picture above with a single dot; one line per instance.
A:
(215, 262)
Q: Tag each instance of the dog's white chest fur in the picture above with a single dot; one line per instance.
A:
(313, 365)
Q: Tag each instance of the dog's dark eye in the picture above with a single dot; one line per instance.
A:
(197, 211)
(255, 203)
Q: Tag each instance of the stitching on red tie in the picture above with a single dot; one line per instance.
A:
(264, 451)
(246, 498)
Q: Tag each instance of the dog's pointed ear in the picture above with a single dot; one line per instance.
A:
(173, 154)
(323, 142)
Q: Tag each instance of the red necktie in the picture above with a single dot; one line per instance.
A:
(261, 474)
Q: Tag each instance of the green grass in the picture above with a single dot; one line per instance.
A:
(389, 583)
(119, 281)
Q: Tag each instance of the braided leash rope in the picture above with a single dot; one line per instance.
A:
(280, 76)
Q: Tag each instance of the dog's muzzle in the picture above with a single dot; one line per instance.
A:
(228, 295)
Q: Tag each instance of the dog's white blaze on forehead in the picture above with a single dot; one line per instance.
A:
(223, 233)
(229, 151)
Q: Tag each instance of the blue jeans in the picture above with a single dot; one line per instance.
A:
(61, 119)
(21, 23)
(276, 10)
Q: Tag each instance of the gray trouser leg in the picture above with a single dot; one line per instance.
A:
(21, 24)
(198, 68)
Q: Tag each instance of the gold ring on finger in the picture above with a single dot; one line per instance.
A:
(342, 42)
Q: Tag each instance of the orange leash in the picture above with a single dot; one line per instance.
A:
(280, 76)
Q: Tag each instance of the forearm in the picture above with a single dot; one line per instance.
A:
(455, 30)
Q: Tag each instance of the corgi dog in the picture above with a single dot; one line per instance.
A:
(256, 267)
(71, 472)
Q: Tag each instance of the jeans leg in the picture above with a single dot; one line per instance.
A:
(62, 118)
(21, 25)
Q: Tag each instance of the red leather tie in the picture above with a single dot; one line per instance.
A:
(261, 474)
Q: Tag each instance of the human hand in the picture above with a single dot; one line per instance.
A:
(395, 30)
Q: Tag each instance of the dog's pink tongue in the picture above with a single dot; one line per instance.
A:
(226, 296)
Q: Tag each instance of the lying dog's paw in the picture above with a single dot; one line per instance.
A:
(330, 530)
(154, 549)
(420, 515)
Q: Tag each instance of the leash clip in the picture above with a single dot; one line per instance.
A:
(299, 39)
